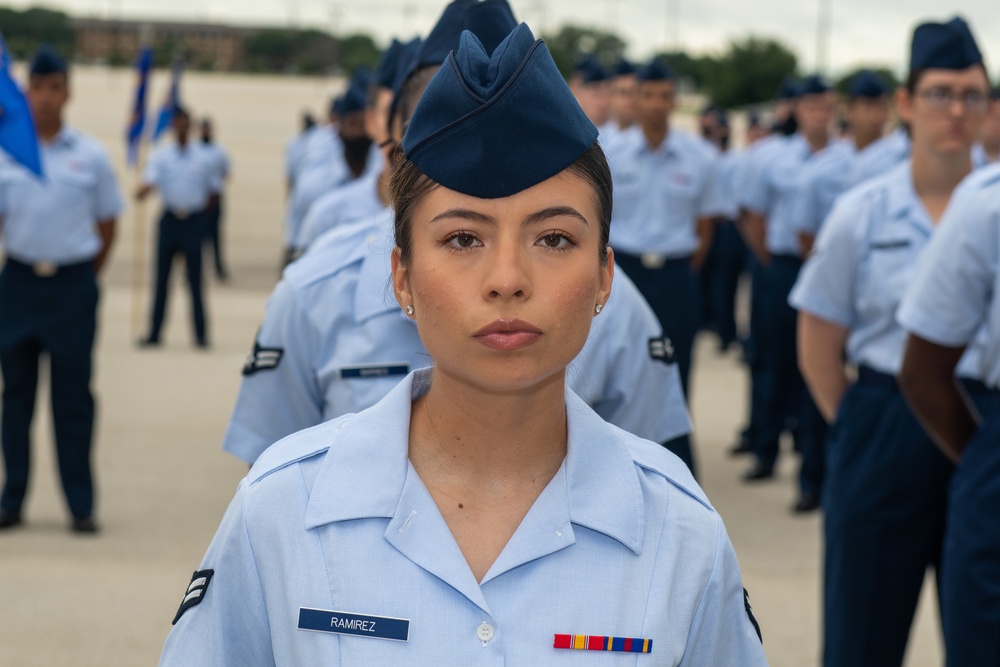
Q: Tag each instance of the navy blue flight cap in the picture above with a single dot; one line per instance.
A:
(867, 84)
(356, 95)
(813, 85)
(790, 89)
(490, 20)
(944, 46)
(590, 70)
(491, 127)
(388, 63)
(624, 68)
(46, 61)
(656, 70)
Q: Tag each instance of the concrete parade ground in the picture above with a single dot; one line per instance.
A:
(163, 481)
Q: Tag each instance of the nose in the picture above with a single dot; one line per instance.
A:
(506, 273)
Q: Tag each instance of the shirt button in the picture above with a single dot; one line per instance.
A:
(485, 632)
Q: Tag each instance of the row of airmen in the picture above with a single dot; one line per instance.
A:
(332, 342)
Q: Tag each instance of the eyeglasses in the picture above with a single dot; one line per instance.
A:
(941, 99)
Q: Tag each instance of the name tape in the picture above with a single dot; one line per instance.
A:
(374, 371)
(358, 625)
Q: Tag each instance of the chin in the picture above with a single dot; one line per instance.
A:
(504, 376)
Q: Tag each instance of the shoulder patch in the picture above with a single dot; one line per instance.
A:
(756, 625)
(661, 349)
(262, 358)
(195, 592)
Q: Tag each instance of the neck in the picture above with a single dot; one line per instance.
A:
(656, 134)
(862, 141)
(936, 175)
(47, 131)
(182, 141)
(817, 140)
(487, 439)
(992, 150)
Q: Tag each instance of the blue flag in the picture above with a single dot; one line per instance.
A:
(17, 129)
(137, 123)
(173, 100)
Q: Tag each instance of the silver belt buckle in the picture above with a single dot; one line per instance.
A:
(45, 269)
(653, 260)
(182, 215)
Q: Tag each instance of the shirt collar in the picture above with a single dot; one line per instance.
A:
(64, 139)
(902, 200)
(602, 488)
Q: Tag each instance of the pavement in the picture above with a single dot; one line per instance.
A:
(164, 482)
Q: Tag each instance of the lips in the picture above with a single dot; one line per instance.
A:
(506, 335)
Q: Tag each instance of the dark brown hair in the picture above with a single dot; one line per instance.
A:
(409, 185)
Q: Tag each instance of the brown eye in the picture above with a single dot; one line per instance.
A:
(463, 241)
(555, 241)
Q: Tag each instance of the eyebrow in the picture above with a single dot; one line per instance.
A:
(534, 218)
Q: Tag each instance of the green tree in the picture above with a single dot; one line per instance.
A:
(885, 73)
(356, 51)
(696, 69)
(26, 31)
(567, 44)
(749, 72)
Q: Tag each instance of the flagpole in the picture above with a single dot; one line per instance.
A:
(138, 245)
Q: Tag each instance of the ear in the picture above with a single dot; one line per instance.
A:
(607, 277)
(400, 280)
(903, 104)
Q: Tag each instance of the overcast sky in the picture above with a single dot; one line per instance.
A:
(862, 31)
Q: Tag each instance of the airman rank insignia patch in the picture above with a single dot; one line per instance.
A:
(662, 349)
(195, 592)
(262, 359)
(756, 625)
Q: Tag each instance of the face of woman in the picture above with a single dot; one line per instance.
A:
(504, 290)
(943, 112)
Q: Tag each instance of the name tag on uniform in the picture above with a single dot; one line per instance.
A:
(375, 370)
(359, 625)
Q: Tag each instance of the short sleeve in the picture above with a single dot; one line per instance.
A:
(228, 625)
(826, 285)
(279, 393)
(153, 173)
(639, 390)
(954, 285)
(806, 215)
(712, 202)
(724, 632)
(754, 190)
(107, 198)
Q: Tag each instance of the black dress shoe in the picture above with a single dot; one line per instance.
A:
(148, 342)
(83, 524)
(758, 472)
(202, 344)
(743, 447)
(806, 503)
(9, 519)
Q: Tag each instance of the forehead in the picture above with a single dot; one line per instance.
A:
(971, 77)
(565, 189)
(54, 79)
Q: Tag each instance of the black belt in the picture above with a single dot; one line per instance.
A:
(874, 378)
(50, 269)
(181, 215)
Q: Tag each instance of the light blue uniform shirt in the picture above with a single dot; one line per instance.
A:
(881, 156)
(727, 178)
(317, 180)
(826, 176)
(660, 192)
(186, 178)
(295, 151)
(771, 190)
(344, 343)
(357, 200)
(747, 164)
(621, 542)
(864, 259)
(979, 157)
(55, 219)
(220, 164)
(954, 292)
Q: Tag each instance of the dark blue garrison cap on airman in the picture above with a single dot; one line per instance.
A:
(590, 70)
(867, 84)
(46, 61)
(388, 63)
(490, 20)
(656, 70)
(624, 68)
(356, 95)
(944, 46)
(813, 85)
(790, 89)
(491, 127)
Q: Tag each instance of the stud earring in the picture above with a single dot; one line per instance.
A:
(598, 308)
(409, 310)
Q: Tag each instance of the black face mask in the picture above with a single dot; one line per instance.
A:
(356, 148)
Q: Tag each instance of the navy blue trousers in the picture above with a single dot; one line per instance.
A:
(970, 575)
(720, 279)
(884, 508)
(780, 396)
(56, 316)
(179, 237)
(213, 234)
